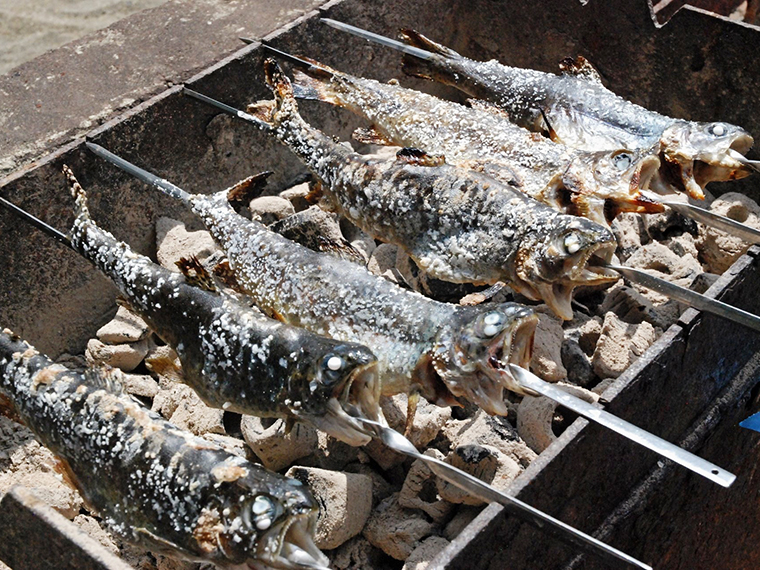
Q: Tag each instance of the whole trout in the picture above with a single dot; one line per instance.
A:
(583, 113)
(153, 484)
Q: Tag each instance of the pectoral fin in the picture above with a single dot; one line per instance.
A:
(420, 157)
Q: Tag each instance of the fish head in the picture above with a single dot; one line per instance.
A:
(269, 524)
(563, 254)
(473, 352)
(698, 153)
(340, 385)
(617, 178)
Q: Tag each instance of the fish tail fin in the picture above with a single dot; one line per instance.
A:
(316, 87)
(426, 68)
(247, 189)
(78, 193)
(416, 39)
(284, 105)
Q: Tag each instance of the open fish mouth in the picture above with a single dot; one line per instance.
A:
(290, 546)
(585, 268)
(358, 397)
(514, 345)
(692, 166)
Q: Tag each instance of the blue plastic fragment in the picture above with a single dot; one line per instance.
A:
(752, 422)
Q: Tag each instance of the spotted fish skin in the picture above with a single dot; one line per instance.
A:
(436, 349)
(596, 185)
(458, 225)
(153, 484)
(585, 114)
(234, 357)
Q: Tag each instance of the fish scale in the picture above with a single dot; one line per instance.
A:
(234, 357)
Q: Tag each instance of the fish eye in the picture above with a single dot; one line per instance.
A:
(622, 161)
(264, 512)
(493, 323)
(572, 243)
(332, 366)
(716, 129)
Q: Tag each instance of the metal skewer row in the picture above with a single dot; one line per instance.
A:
(532, 384)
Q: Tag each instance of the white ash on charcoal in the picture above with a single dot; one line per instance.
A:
(396, 530)
(269, 209)
(297, 195)
(421, 556)
(174, 242)
(718, 250)
(274, 445)
(126, 356)
(420, 491)
(345, 503)
(536, 417)
(125, 327)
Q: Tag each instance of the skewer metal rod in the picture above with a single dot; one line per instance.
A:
(512, 505)
(37, 223)
(689, 297)
(377, 38)
(650, 441)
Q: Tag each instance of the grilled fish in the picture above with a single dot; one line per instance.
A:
(584, 114)
(439, 350)
(596, 185)
(458, 225)
(153, 484)
(232, 356)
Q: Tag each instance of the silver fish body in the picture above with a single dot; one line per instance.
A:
(584, 114)
(458, 225)
(234, 357)
(153, 484)
(596, 185)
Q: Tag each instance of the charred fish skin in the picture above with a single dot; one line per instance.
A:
(592, 184)
(585, 114)
(458, 225)
(231, 356)
(154, 484)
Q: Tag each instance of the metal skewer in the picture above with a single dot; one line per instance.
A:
(754, 164)
(377, 38)
(688, 297)
(512, 505)
(37, 223)
(666, 449)
(743, 231)
(652, 442)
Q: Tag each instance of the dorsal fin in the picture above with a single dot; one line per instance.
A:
(580, 68)
(416, 39)
(488, 107)
(419, 157)
(195, 274)
(371, 136)
(226, 275)
(248, 189)
(110, 379)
